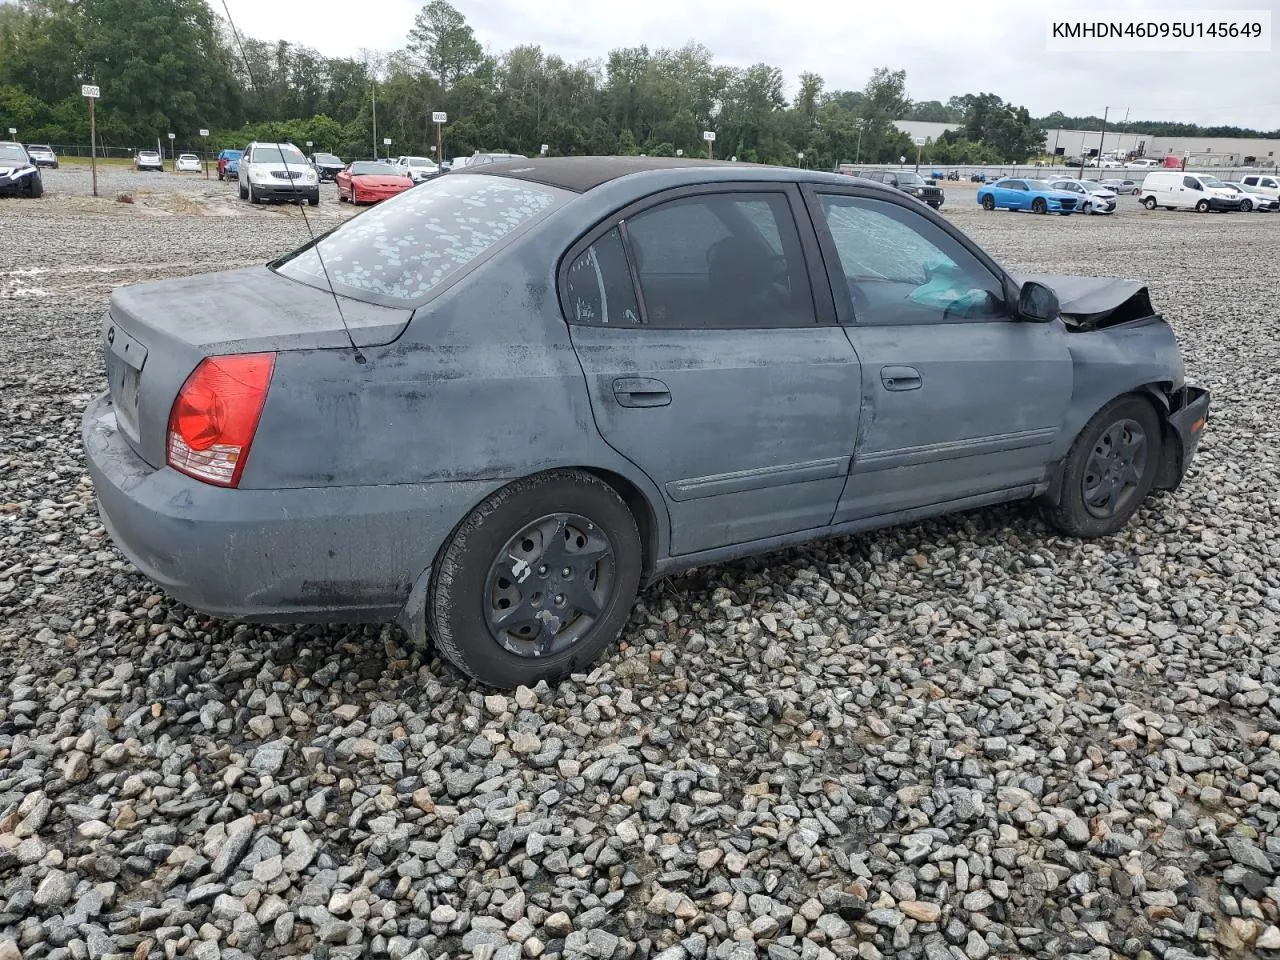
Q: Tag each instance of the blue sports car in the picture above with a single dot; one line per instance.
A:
(1034, 195)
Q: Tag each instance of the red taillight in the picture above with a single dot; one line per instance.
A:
(215, 416)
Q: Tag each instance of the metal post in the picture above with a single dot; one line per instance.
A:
(1100, 139)
(709, 156)
(93, 147)
(439, 143)
(857, 157)
(375, 119)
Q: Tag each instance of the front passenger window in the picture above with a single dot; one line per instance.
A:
(1191, 183)
(900, 268)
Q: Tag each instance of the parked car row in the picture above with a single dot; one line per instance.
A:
(1203, 192)
(1171, 189)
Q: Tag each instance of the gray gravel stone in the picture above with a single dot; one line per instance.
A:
(1050, 741)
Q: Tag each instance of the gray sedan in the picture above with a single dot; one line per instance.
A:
(551, 380)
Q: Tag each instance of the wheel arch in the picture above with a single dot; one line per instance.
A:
(1157, 393)
(641, 499)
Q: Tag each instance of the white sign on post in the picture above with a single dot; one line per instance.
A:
(173, 136)
(13, 131)
(709, 136)
(308, 143)
(204, 132)
(439, 116)
(902, 159)
(679, 153)
(89, 90)
(544, 149)
(919, 141)
(386, 141)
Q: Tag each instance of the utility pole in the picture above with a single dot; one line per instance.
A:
(1101, 136)
(375, 118)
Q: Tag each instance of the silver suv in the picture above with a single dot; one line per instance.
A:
(277, 171)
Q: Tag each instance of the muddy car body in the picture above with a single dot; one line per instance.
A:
(597, 370)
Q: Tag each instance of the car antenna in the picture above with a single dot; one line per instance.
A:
(360, 358)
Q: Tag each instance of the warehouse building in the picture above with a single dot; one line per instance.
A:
(1198, 151)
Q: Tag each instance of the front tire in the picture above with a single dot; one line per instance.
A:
(1038, 205)
(988, 202)
(1202, 206)
(314, 199)
(1110, 469)
(244, 192)
(537, 581)
(36, 188)
(1246, 206)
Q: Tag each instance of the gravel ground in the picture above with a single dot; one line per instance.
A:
(960, 739)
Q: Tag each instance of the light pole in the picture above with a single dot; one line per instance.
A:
(857, 157)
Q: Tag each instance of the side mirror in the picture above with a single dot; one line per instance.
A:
(1037, 303)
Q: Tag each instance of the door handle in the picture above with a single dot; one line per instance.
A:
(641, 392)
(901, 378)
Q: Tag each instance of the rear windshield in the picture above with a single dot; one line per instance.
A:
(398, 252)
(326, 158)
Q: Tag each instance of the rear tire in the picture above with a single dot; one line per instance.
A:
(1117, 453)
(1149, 203)
(1202, 206)
(472, 583)
(988, 202)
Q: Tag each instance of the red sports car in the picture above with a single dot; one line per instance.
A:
(368, 181)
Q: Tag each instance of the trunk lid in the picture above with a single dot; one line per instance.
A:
(155, 334)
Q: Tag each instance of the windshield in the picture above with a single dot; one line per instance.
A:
(1211, 181)
(398, 252)
(283, 154)
(910, 180)
(370, 168)
(13, 153)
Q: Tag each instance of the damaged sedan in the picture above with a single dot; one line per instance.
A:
(491, 407)
(19, 174)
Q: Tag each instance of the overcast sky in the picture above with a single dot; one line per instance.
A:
(947, 48)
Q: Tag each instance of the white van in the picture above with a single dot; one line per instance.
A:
(1174, 189)
(1265, 184)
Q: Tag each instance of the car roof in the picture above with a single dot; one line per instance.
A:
(581, 174)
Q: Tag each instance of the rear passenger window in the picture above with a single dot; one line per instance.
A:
(727, 260)
(599, 287)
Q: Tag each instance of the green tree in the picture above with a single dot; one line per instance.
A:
(444, 43)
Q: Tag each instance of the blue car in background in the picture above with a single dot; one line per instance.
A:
(229, 164)
(1013, 193)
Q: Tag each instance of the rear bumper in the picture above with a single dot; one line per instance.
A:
(1186, 422)
(314, 554)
